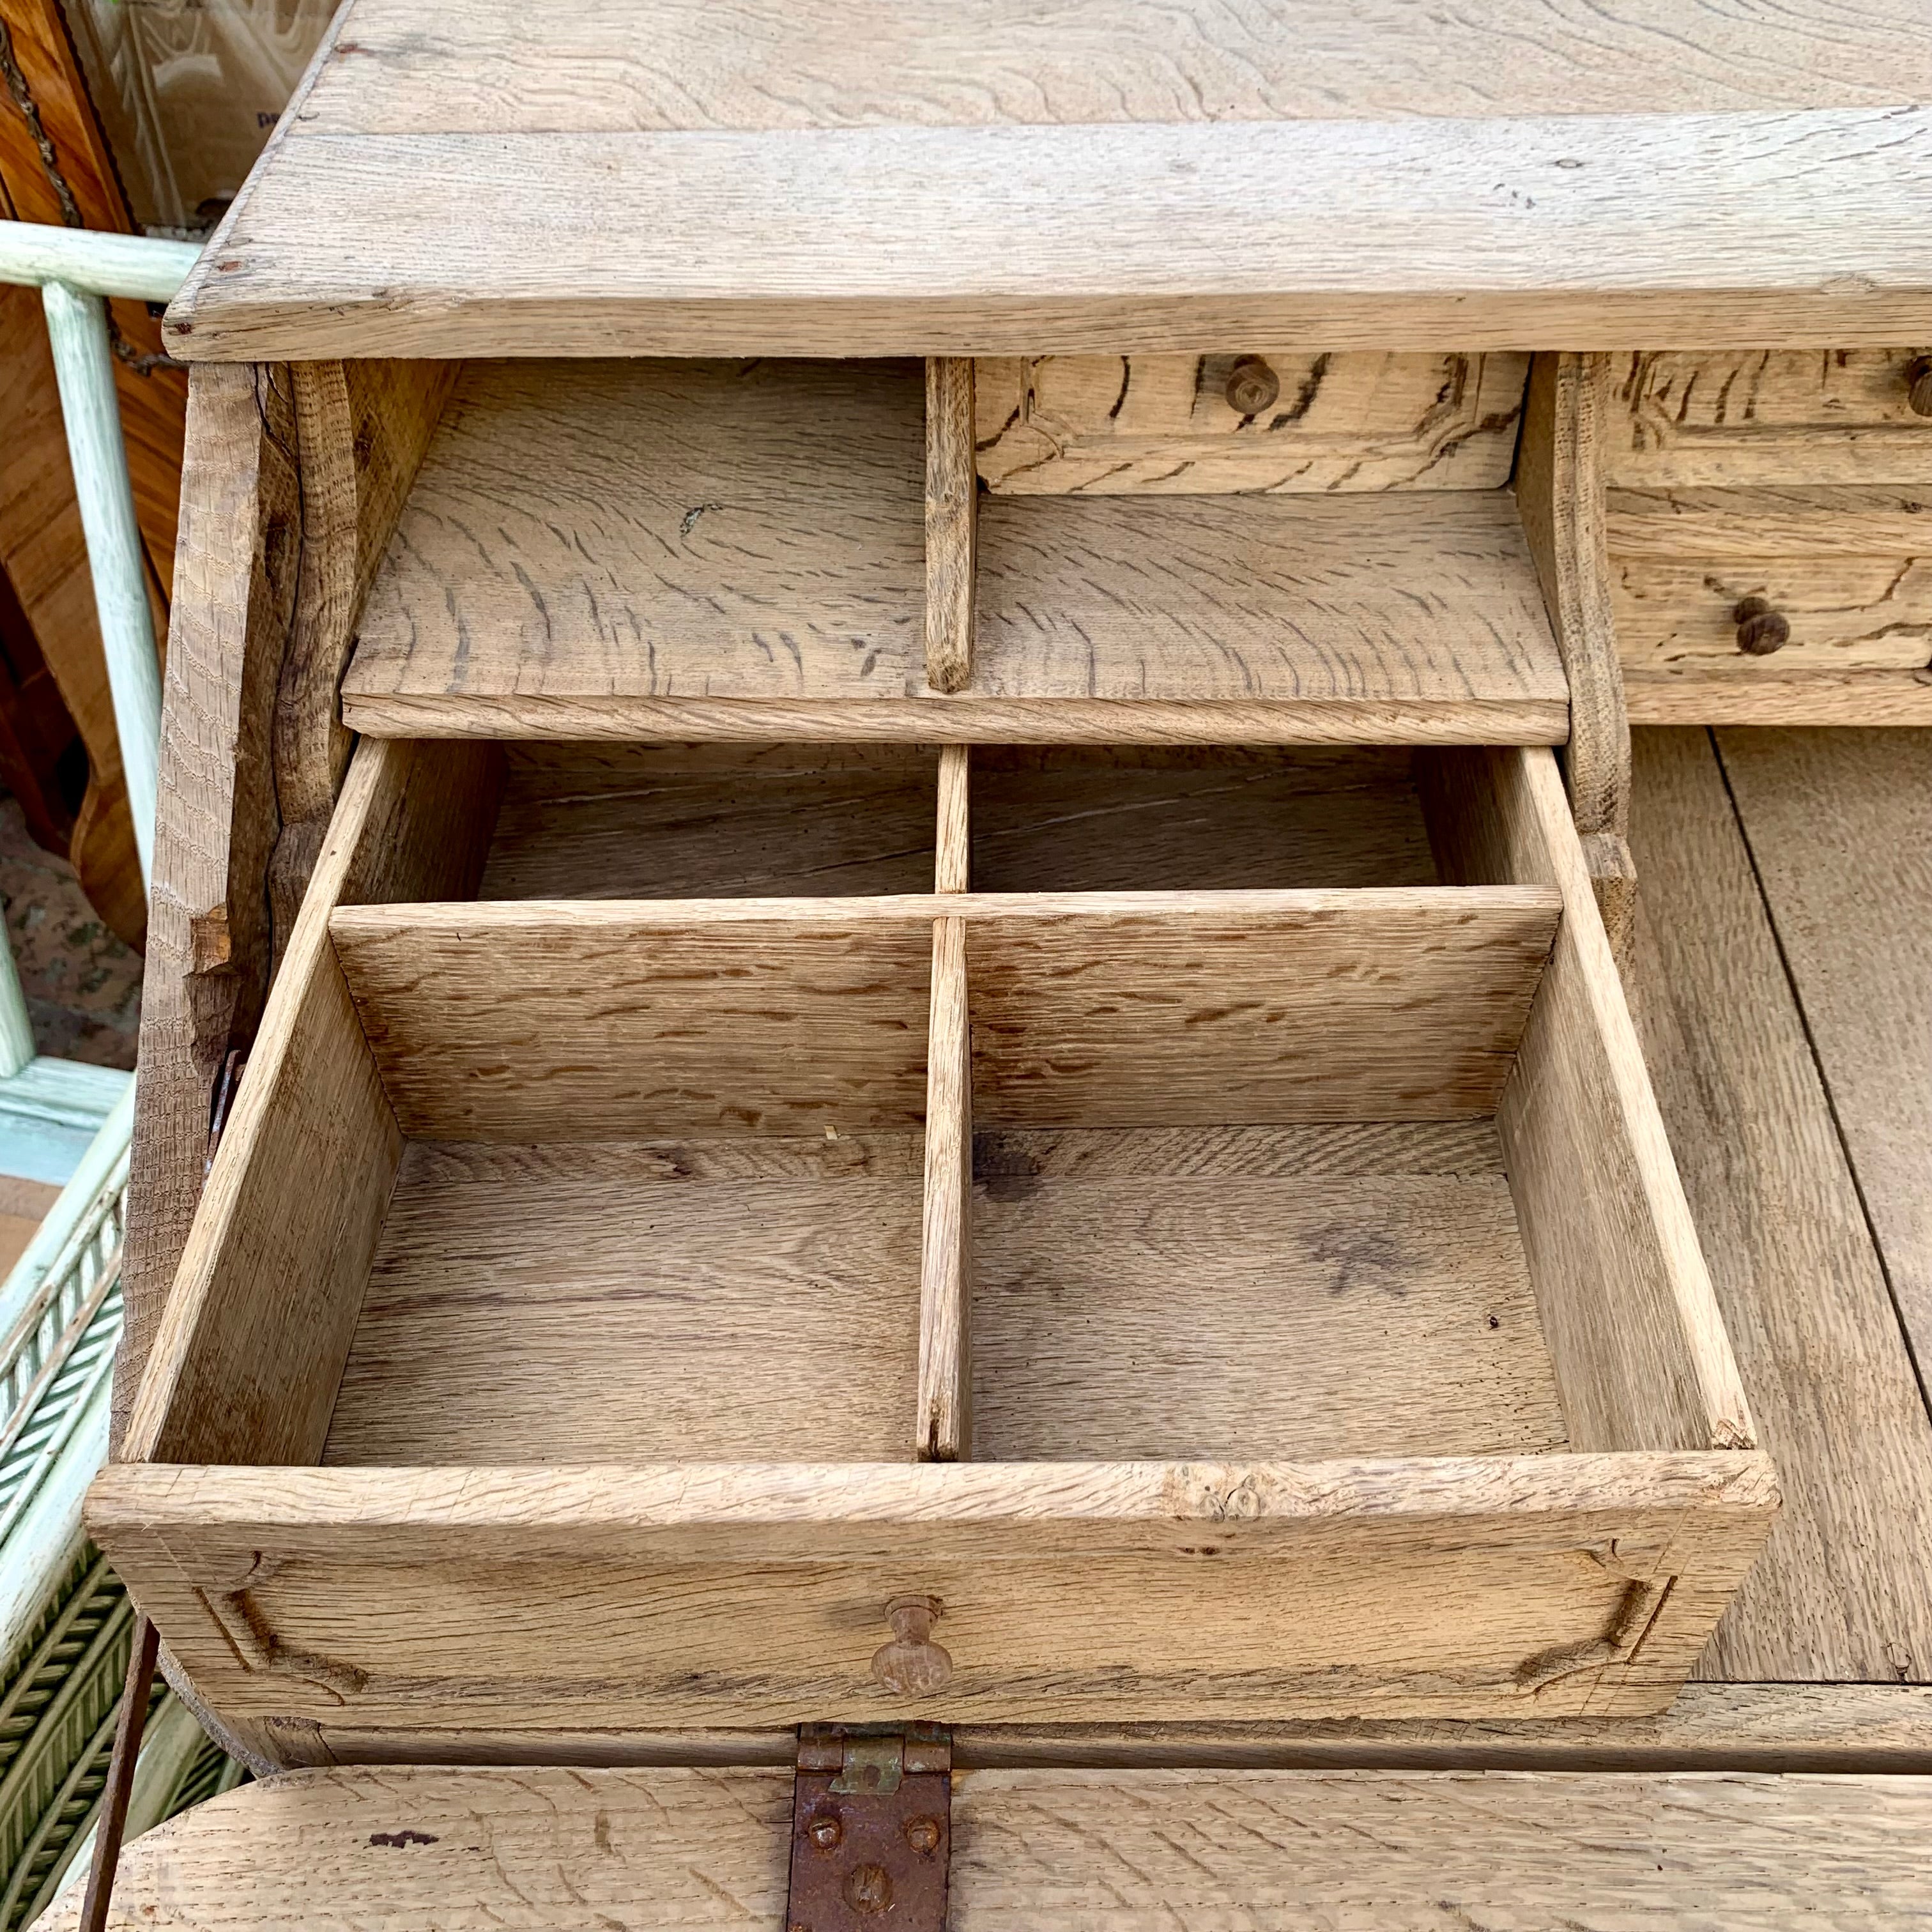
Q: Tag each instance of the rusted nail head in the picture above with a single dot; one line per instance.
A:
(1761, 629)
(1918, 391)
(869, 1889)
(922, 1833)
(825, 1830)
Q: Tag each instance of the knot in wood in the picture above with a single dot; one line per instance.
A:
(1253, 386)
(1761, 630)
(912, 1665)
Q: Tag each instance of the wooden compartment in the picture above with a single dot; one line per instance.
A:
(1220, 1303)
(773, 549)
(1788, 484)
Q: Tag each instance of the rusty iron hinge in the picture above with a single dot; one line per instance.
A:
(871, 1830)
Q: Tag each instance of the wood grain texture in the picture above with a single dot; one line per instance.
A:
(1764, 1727)
(245, 1358)
(542, 1020)
(364, 426)
(951, 516)
(1431, 596)
(1748, 417)
(719, 1594)
(1164, 425)
(1559, 491)
(952, 837)
(1699, 697)
(943, 1424)
(1157, 819)
(673, 67)
(216, 820)
(1840, 1593)
(659, 530)
(586, 821)
(1186, 1310)
(1341, 718)
(1634, 1327)
(633, 1303)
(1260, 1010)
(711, 558)
(1770, 519)
(1845, 613)
(465, 1850)
(1838, 829)
(1013, 239)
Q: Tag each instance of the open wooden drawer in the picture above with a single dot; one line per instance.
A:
(811, 1296)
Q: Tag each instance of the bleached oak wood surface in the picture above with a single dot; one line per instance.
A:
(462, 1851)
(1532, 178)
(1841, 1594)
(744, 549)
(1109, 425)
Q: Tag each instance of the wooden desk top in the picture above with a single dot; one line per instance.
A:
(845, 177)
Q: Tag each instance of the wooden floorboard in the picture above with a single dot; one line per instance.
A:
(1050, 1851)
(1839, 828)
(1842, 1592)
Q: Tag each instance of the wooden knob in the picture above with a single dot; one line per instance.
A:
(1252, 387)
(1919, 380)
(912, 1665)
(1761, 630)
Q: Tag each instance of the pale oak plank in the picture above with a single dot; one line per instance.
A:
(463, 1851)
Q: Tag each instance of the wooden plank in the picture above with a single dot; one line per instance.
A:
(363, 428)
(467, 1850)
(1769, 520)
(591, 821)
(659, 530)
(1641, 1357)
(524, 1021)
(779, 65)
(209, 941)
(1817, 698)
(245, 1358)
(944, 1421)
(748, 1595)
(952, 839)
(1839, 1594)
(1157, 819)
(1169, 425)
(1747, 416)
(1429, 597)
(1271, 1008)
(1845, 613)
(1337, 717)
(1836, 828)
(1385, 1311)
(627, 1303)
(1056, 1849)
(952, 515)
(1763, 1727)
(1010, 240)
(530, 1021)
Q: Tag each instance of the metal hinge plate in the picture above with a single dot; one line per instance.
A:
(871, 1831)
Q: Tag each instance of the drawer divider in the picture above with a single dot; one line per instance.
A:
(951, 504)
(946, 1269)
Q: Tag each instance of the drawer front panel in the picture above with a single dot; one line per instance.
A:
(1744, 417)
(1844, 613)
(1181, 425)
